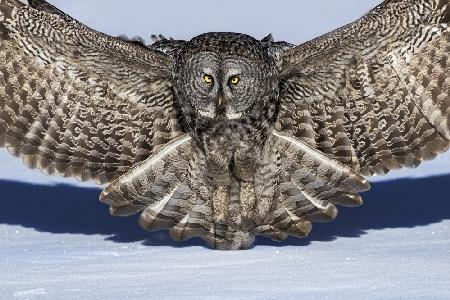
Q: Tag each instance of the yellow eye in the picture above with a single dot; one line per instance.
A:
(208, 79)
(234, 80)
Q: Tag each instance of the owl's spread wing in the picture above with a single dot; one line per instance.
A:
(77, 102)
(374, 94)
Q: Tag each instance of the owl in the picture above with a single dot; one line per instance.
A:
(226, 137)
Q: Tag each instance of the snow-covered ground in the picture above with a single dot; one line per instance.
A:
(57, 241)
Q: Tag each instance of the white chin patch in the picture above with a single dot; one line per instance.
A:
(230, 115)
(206, 114)
(233, 115)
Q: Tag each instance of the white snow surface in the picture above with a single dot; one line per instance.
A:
(57, 241)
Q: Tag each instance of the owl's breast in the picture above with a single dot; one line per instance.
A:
(232, 151)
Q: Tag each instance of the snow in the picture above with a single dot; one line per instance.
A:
(58, 241)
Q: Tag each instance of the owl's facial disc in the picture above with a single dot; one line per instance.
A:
(226, 77)
(223, 87)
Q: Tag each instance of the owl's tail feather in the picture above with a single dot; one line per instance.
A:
(152, 183)
(187, 215)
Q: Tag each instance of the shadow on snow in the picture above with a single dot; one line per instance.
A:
(402, 203)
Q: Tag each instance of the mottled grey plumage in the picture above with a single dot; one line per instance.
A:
(226, 137)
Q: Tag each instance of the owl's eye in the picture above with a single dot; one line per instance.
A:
(234, 80)
(208, 79)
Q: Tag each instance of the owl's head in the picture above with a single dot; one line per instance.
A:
(226, 76)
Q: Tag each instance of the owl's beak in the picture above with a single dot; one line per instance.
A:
(220, 99)
(220, 105)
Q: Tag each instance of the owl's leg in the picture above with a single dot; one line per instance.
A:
(266, 182)
(256, 171)
(247, 201)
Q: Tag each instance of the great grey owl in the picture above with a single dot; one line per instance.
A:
(226, 137)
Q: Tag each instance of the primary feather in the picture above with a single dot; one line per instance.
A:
(374, 94)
